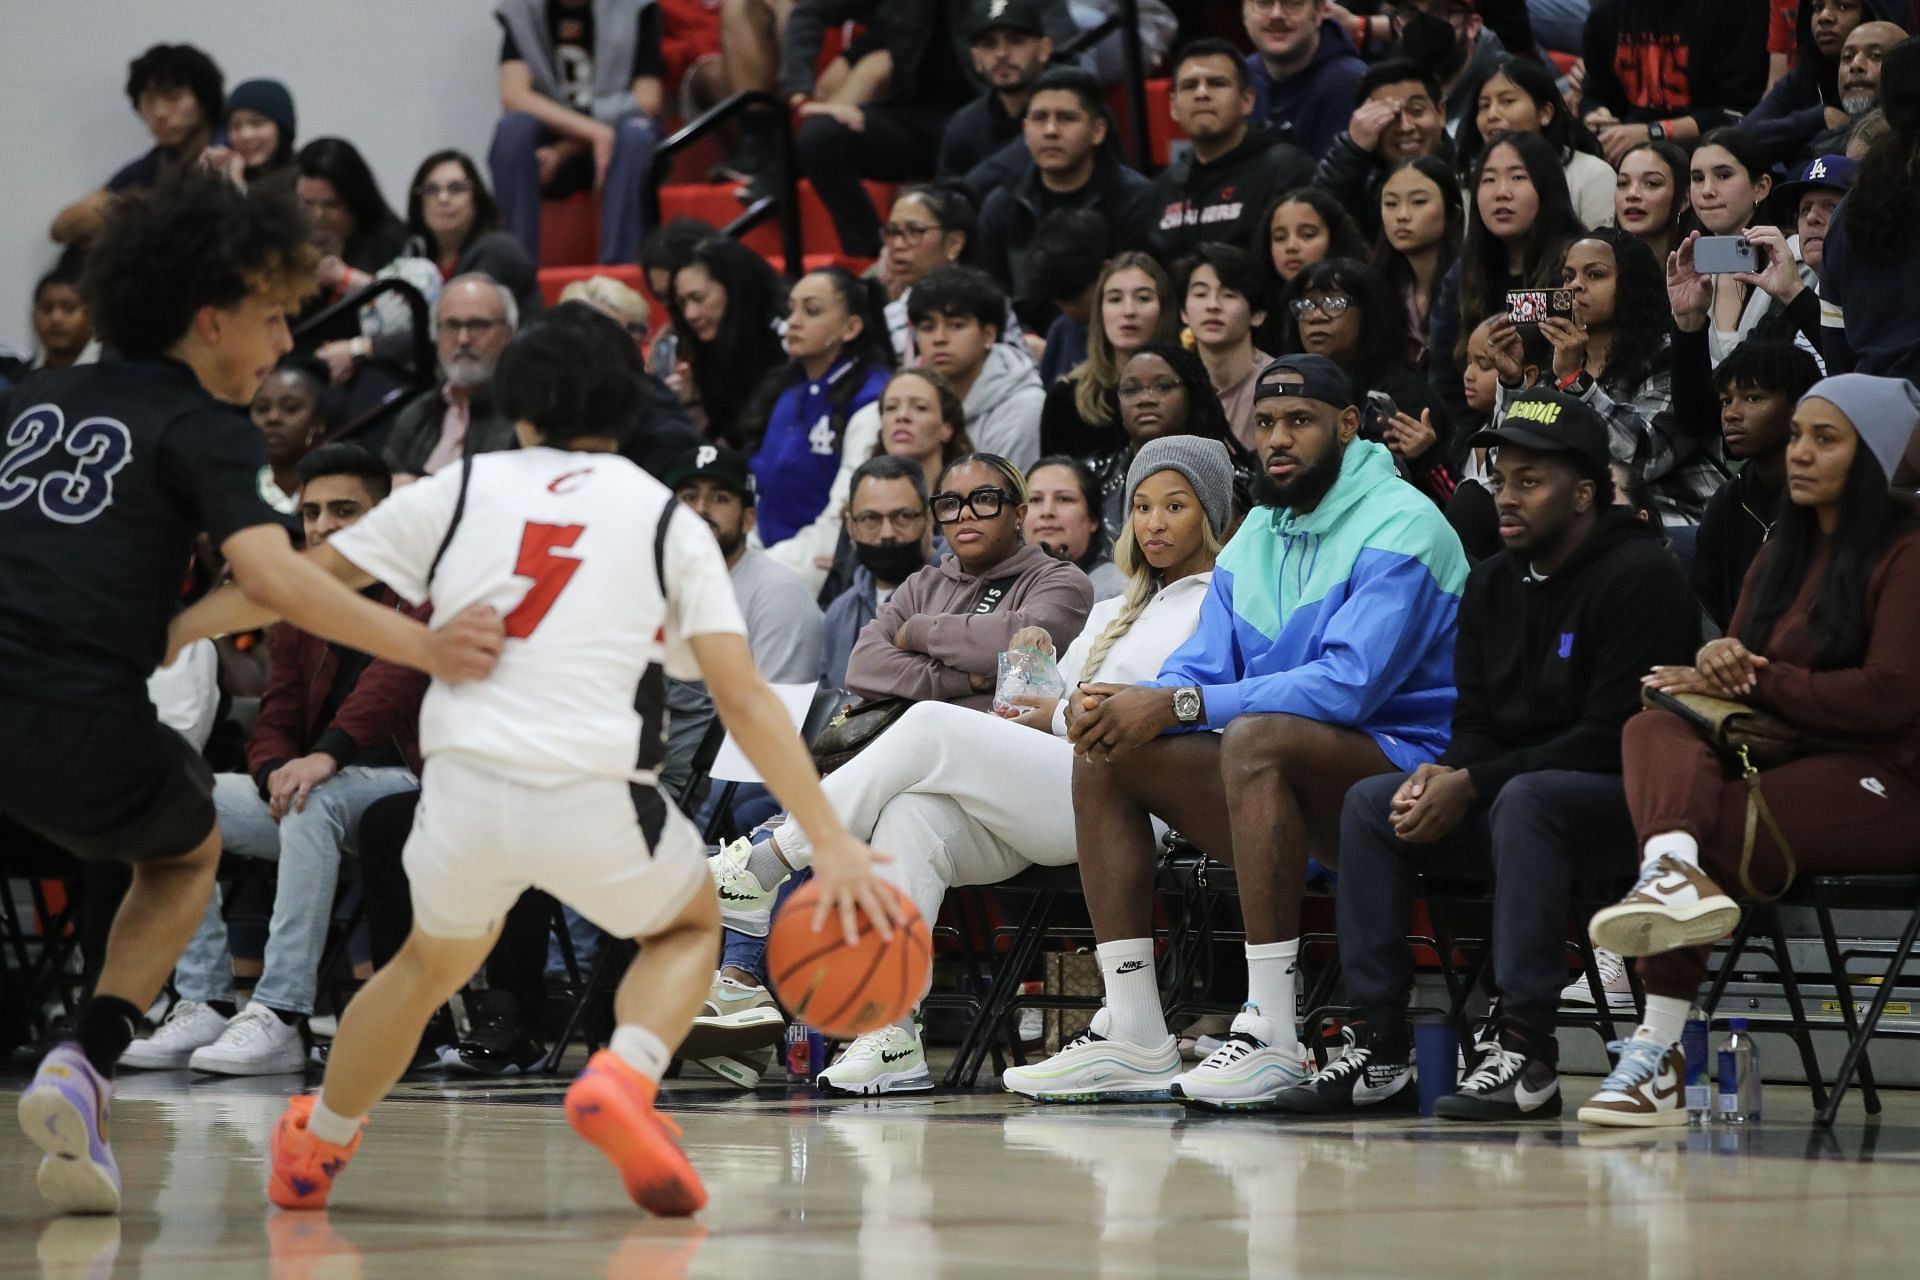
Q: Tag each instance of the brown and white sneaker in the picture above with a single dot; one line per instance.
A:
(1645, 1089)
(1675, 905)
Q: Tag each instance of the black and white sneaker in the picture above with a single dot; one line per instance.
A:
(1507, 1085)
(1367, 1075)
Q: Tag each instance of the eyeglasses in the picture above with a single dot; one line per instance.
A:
(985, 502)
(870, 521)
(1159, 386)
(1331, 306)
(1293, 8)
(451, 190)
(907, 233)
(478, 328)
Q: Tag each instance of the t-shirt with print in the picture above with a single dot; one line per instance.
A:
(107, 474)
(562, 544)
(570, 33)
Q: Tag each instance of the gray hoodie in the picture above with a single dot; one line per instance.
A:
(1003, 408)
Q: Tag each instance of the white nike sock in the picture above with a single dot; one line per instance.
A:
(331, 1127)
(1666, 1019)
(1677, 845)
(1270, 970)
(1133, 992)
(642, 1050)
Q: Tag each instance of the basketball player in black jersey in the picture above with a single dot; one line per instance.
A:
(107, 473)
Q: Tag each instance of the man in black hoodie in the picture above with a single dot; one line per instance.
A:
(1236, 168)
(982, 142)
(1073, 168)
(1555, 633)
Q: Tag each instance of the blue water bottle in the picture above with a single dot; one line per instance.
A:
(1693, 1043)
(1436, 1059)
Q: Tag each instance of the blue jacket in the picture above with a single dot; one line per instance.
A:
(1318, 102)
(1345, 615)
(798, 457)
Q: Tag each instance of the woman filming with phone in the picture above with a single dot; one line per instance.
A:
(1613, 353)
(1729, 186)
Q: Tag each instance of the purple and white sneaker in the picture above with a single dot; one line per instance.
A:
(64, 1111)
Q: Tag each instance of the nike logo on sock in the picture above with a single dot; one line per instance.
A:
(1132, 966)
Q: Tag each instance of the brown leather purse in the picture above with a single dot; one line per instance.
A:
(853, 728)
(1750, 740)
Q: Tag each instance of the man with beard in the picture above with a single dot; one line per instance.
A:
(1834, 82)
(1555, 634)
(473, 323)
(1010, 52)
(1323, 655)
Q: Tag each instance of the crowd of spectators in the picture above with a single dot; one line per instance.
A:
(1457, 377)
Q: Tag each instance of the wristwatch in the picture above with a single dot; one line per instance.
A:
(1187, 705)
(1657, 131)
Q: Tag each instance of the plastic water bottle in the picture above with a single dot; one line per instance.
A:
(1693, 1043)
(1739, 1075)
(802, 1056)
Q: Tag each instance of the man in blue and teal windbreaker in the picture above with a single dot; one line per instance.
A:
(1323, 655)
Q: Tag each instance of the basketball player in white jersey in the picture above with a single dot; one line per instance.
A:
(543, 775)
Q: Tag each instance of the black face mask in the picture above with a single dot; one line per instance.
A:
(893, 562)
(1430, 41)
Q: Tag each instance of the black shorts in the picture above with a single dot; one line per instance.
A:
(105, 785)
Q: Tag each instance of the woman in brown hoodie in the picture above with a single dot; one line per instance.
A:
(940, 635)
(1826, 637)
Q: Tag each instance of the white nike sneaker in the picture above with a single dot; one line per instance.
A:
(1245, 1073)
(255, 1043)
(1094, 1068)
(1644, 1090)
(745, 907)
(1613, 981)
(1675, 905)
(190, 1025)
(889, 1060)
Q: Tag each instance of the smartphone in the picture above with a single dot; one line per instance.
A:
(1531, 306)
(663, 355)
(1383, 406)
(1721, 255)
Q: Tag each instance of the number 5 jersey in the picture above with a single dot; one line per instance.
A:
(600, 578)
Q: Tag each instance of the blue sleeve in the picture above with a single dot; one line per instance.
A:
(1387, 626)
(1211, 655)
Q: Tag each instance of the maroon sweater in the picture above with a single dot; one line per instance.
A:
(1872, 709)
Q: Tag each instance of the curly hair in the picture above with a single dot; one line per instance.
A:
(1641, 316)
(192, 241)
(179, 66)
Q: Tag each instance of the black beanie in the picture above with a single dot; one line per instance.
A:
(271, 99)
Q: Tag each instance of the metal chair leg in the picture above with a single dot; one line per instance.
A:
(1735, 949)
(1802, 1032)
(1837, 965)
(1858, 1048)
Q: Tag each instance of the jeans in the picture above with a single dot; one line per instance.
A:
(1541, 834)
(307, 845)
(898, 143)
(516, 182)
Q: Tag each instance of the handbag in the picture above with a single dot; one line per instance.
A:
(1750, 740)
(853, 728)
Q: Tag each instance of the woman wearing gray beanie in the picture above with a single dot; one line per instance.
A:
(958, 797)
(1824, 638)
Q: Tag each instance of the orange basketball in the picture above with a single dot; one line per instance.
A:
(846, 991)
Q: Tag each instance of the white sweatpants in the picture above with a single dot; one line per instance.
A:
(957, 797)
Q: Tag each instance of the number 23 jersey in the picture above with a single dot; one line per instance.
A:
(563, 545)
(107, 472)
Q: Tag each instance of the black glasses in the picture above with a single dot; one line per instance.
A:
(1332, 305)
(907, 233)
(904, 518)
(1162, 387)
(478, 328)
(985, 502)
(452, 190)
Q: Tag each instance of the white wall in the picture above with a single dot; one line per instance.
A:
(397, 78)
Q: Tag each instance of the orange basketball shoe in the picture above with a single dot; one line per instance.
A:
(301, 1168)
(611, 1106)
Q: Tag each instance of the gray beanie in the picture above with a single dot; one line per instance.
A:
(1883, 411)
(1203, 462)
